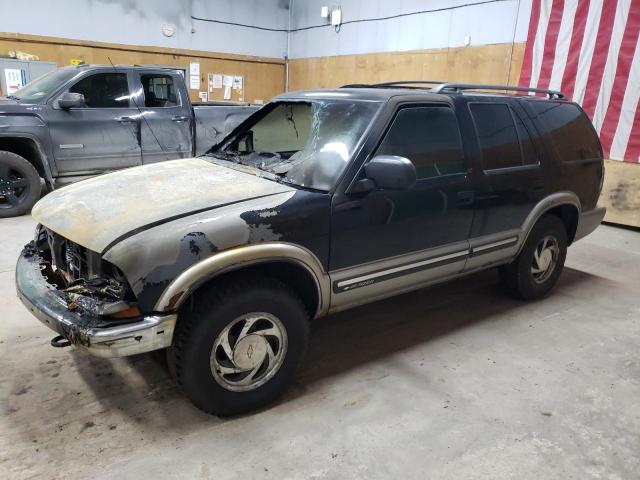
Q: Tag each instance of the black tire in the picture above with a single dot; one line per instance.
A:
(518, 278)
(199, 328)
(20, 185)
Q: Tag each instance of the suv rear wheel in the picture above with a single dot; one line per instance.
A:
(20, 185)
(538, 266)
(240, 345)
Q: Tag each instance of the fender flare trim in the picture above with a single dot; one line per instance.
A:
(542, 207)
(236, 258)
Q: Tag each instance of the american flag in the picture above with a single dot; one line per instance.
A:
(590, 50)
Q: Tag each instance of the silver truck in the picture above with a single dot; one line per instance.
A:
(78, 122)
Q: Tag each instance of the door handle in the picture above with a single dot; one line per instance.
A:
(179, 118)
(466, 198)
(490, 196)
(126, 119)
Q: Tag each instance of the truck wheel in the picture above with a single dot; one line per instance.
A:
(20, 185)
(538, 266)
(239, 346)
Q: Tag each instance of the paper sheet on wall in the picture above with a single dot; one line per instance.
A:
(216, 81)
(14, 80)
(227, 81)
(227, 93)
(194, 68)
(194, 82)
(237, 82)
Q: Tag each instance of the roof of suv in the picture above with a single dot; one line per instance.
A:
(384, 91)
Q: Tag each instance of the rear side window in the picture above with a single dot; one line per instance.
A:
(571, 131)
(159, 91)
(104, 90)
(503, 137)
(429, 137)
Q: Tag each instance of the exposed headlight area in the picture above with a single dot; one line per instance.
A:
(87, 283)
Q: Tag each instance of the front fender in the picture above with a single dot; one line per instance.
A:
(30, 128)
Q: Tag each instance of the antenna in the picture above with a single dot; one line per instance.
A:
(131, 97)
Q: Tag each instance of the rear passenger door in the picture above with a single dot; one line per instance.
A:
(167, 127)
(510, 178)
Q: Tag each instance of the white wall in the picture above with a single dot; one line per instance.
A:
(486, 24)
(139, 22)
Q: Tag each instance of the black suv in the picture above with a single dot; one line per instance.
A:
(320, 201)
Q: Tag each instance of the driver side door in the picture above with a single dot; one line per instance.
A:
(104, 134)
(385, 241)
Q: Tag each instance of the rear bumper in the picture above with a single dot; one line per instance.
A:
(589, 221)
(99, 337)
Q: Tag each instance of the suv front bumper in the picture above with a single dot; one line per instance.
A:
(99, 336)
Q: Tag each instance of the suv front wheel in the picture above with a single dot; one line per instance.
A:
(538, 266)
(238, 348)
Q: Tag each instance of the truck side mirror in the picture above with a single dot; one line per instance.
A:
(71, 100)
(388, 172)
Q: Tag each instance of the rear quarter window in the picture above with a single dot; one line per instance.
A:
(572, 134)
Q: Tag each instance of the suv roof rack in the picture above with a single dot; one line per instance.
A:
(459, 87)
(440, 87)
(399, 83)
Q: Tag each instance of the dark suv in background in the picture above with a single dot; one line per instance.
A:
(320, 201)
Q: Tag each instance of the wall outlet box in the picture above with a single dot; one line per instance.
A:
(336, 17)
(324, 12)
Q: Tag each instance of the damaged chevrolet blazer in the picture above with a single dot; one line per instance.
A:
(320, 201)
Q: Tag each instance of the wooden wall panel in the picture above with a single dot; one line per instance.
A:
(482, 64)
(264, 77)
(621, 192)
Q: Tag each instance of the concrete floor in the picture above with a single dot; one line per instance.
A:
(453, 382)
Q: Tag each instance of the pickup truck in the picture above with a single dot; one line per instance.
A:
(77, 122)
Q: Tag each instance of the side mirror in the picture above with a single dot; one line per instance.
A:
(71, 100)
(389, 172)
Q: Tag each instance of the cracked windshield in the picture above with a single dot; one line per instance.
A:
(305, 143)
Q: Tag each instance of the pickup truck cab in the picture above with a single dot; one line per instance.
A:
(320, 201)
(77, 122)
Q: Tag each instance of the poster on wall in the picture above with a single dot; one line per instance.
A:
(194, 68)
(227, 81)
(215, 81)
(194, 82)
(15, 80)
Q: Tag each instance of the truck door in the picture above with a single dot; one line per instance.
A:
(386, 241)
(167, 127)
(102, 135)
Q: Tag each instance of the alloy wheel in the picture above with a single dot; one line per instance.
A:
(248, 352)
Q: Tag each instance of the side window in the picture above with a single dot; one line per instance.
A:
(159, 91)
(497, 135)
(571, 132)
(529, 153)
(104, 90)
(429, 137)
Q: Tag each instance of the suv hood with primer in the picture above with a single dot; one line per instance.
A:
(97, 212)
